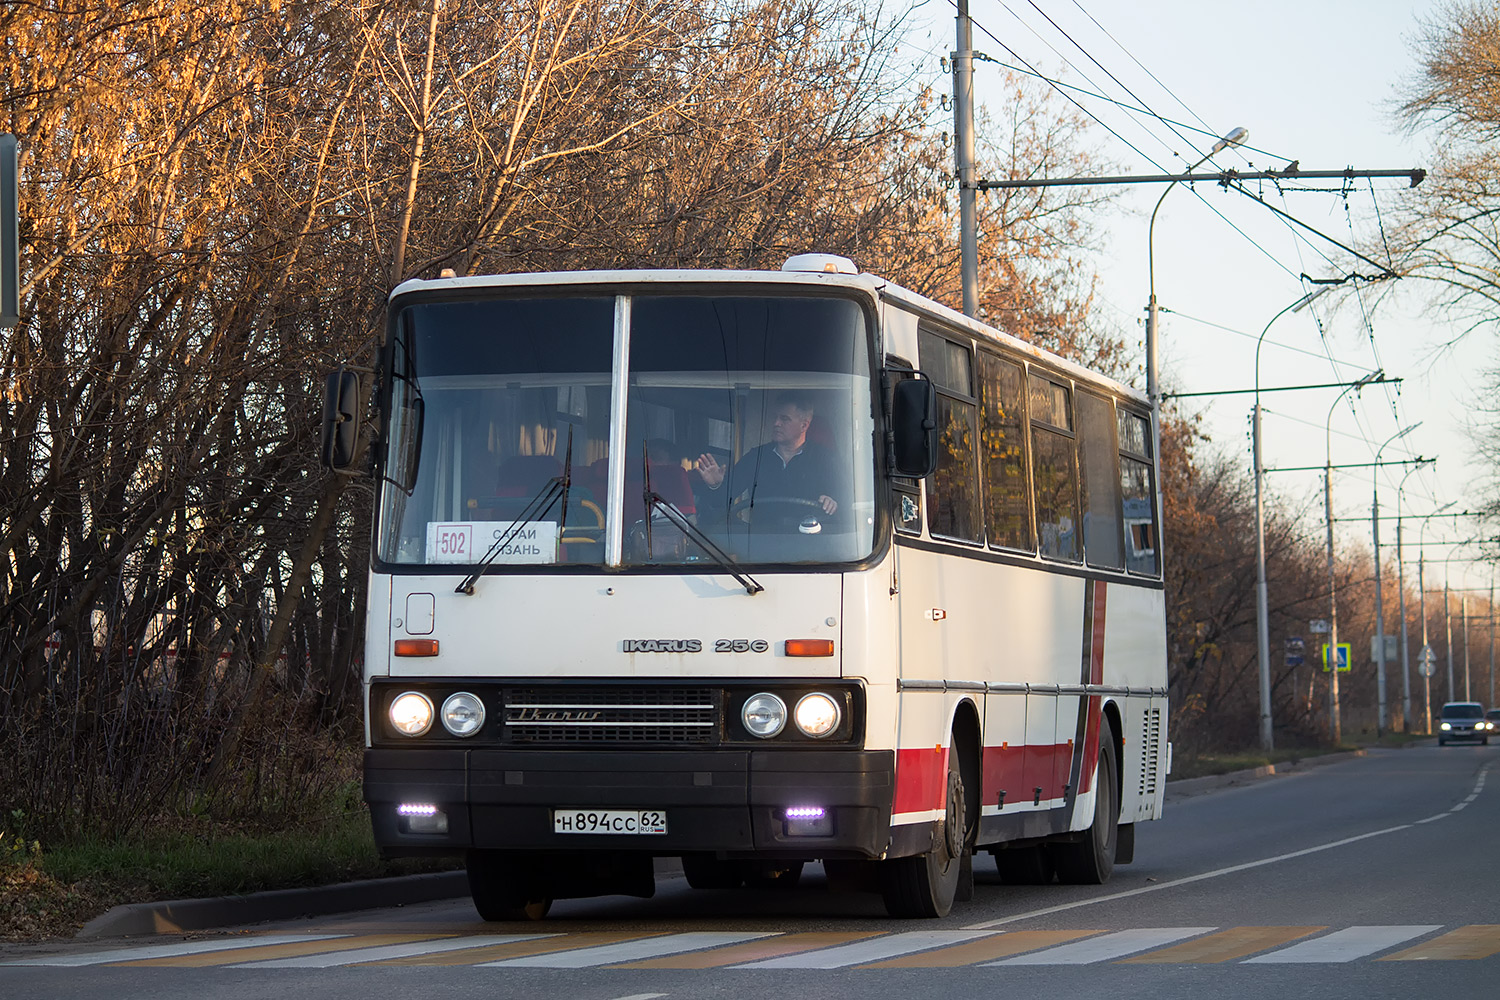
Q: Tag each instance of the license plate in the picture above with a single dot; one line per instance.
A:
(622, 821)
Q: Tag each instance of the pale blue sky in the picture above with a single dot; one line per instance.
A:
(1314, 81)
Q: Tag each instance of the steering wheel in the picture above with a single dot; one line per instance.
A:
(785, 509)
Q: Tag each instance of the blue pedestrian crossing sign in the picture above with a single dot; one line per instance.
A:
(1343, 657)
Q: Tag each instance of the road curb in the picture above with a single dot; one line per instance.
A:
(179, 915)
(1188, 787)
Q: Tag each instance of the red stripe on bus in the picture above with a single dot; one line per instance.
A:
(1020, 771)
(921, 779)
(1096, 676)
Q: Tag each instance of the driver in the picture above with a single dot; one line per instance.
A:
(787, 466)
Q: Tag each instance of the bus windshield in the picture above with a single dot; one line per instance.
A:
(750, 414)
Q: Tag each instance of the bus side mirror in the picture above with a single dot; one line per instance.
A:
(340, 420)
(914, 434)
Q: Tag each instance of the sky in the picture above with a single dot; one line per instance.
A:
(1314, 81)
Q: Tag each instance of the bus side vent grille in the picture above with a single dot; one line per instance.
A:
(595, 715)
(1150, 753)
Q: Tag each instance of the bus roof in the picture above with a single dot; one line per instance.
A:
(872, 285)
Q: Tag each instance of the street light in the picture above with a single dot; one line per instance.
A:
(1379, 607)
(1335, 728)
(1401, 586)
(1262, 611)
(1422, 610)
(1153, 390)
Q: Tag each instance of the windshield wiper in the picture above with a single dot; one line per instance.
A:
(538, 507)
(655, 501)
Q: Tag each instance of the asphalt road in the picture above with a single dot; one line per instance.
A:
(1372, 877)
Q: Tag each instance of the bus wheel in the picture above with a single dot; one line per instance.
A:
(1091, 860)
(504, 887)
(1025, 865)
(925, 885)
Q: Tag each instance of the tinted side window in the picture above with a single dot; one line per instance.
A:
(1002, 451)
(1054, 469)
(1137, 494)
(1102, 533)
(953, 491)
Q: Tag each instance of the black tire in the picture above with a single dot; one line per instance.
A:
(924, 886)
(504, 886)
(1442, 742)
(1025, 865)
(1091, 860)
(704, 871)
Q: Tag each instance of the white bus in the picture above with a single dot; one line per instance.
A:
(751, 568)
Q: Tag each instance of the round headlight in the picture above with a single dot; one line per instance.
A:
(463, 714)
(764, 715)
(817, 714)
(1447, 726)
(411, 713)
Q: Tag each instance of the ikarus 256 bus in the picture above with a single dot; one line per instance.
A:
(754, 569)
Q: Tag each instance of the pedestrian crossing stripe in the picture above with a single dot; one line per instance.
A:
(754, 951)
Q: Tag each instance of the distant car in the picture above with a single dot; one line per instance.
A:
(1493, 718)
(1464, 720)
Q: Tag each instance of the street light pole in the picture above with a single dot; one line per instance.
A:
(1448, 628)
(1335, 727)
(1262, 609)
(1401, 586)
(1153, 387)
(1380, 721)
(1422, 599)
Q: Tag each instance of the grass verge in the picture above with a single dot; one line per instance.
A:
(1203, 765)
(54, 892)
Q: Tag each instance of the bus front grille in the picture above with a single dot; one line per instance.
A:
(590, 715)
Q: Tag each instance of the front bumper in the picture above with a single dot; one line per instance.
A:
(730, 802)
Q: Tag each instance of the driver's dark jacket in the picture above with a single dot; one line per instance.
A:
(761, 473)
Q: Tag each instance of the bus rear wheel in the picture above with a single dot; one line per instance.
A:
(504, 887)
(926, 885)
(1091, 860)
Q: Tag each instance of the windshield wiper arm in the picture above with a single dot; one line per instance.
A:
(538, 507)
(655, 501)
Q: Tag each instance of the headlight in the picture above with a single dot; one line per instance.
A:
(411, 713)
(1446, 726)
(764, 715)
(817, 714)
(463, 714)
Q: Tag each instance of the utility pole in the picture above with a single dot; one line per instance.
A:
(963, 159)
(1448, 626)
(1463, 609)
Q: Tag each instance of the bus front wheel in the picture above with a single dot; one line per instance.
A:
(926, 885)
(504, 887)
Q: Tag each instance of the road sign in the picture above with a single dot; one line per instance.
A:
(1319, 626)
(1295, 647)
(1343, 657)
(1426, 662)
(1392, 649)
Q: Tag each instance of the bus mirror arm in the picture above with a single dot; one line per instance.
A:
(913, 432)
(656, 502)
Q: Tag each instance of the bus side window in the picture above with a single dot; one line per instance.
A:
(1054, 470)
(1002, 451)
(1099, 459)
(1137, 494)
(953, 491)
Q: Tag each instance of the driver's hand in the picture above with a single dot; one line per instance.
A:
(709, 468)
(829, 504)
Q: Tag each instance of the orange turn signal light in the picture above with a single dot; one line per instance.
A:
(809, 647)
(416, 647)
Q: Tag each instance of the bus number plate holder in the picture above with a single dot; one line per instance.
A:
(609, 821)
